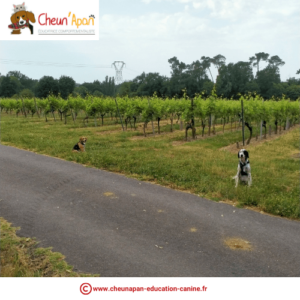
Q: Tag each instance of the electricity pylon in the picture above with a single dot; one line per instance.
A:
(118, 67)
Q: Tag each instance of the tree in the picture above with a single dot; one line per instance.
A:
(195, 78)
(293, 92)
(207, 88)
(218, 61)
(124, 89)
(265, 80)
(47, 85)
(16, 74)
(206, 62)
(252, 87)
(66, 86)
(26, 93)
(81, 90)
(255, 60)
(276, 61)
(97, 94)
(7, 88)
(298, 72)
(184, 76)
(234, 79)
(16, 83)
(152, 83)
(26, 82)
(1, 78)
(97, 86)
(277, 90)
(176, 84)
(292, 81)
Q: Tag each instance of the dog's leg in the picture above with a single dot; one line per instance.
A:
(236, 177)
(249, 180)
(82, 147)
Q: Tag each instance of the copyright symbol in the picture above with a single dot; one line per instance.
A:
(85, 288)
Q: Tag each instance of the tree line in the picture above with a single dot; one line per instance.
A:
(232, 80)
(15, 84)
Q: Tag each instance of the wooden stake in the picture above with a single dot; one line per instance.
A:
(37, 111)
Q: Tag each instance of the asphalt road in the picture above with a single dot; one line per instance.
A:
(112, 225)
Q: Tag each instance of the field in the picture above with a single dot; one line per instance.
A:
(203, 166)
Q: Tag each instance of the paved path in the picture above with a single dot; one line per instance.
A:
(116, 226)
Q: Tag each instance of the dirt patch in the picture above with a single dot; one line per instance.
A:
(110, 195)
(170, 155)
(150, 135)
(181, 142)
(108, 131)
(198, 137)
(238, 244)
(296, 156)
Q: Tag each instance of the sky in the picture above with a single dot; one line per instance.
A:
(145, 34)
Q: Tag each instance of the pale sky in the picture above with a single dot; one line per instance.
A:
(146, 33)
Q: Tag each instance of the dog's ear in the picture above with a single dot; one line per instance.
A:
(30, 16)
(246, 153)
(239, 154)
(13, 18)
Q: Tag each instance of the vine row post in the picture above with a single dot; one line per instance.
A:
(119, 113)
(193, 120)
(261, 124)
(23, 107)
(151, 119)
(36, 108)
(243, 124)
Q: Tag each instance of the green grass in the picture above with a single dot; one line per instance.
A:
(199, 166)
(20, 257)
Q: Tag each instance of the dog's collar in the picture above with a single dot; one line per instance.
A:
(17, 26)
(245, 163)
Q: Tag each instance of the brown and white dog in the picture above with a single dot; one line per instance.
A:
(21, 20)
(80, 146)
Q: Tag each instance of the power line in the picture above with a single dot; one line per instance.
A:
(51, 64)
(133, 70)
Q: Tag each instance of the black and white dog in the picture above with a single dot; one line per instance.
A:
(243, 171)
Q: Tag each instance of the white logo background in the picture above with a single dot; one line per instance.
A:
(54, 9)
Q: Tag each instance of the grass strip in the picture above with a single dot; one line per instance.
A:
(20, 257)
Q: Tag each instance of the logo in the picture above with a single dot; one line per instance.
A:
(43, 20)
(21, 19)
(85, 289)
